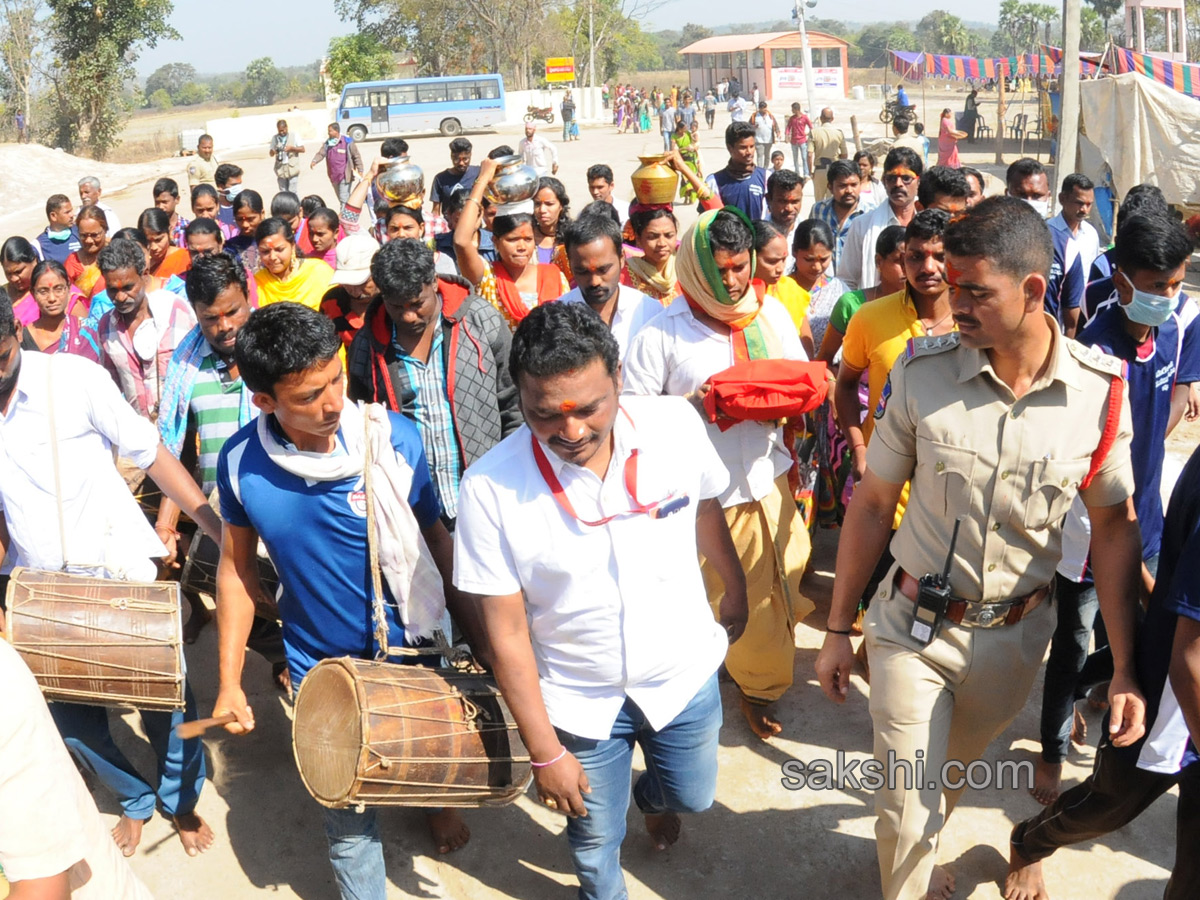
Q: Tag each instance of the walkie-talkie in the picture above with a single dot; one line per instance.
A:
(933, 597)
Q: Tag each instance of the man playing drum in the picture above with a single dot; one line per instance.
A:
(101, 532)
(580, 533)
(295, 477)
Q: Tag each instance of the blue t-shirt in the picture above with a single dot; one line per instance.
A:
(902, 97)
(1067, 284)
(58, 250)
(316, 534)
(1153, 369)
(748, 193)
(1176, 593)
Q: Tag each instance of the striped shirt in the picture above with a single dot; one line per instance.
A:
(825, 211)
(215, 405)
(435, 419)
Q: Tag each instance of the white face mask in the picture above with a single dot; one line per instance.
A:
(1041, 207)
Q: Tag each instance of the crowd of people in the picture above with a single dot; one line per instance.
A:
(532, 389)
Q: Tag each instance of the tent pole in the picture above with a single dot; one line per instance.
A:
(1068, 122)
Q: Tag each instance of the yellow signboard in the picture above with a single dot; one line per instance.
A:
(560, 68)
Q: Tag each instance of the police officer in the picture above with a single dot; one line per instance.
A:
(999, 426)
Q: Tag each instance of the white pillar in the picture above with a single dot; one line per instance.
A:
(1068, 129)
(1141, 29)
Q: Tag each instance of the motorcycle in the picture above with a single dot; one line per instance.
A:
(893, 110)
(546, 114)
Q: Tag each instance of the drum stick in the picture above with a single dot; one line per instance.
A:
(189, 730)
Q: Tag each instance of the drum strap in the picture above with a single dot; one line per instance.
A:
(379, 611)
(62, 529)
(440, 646)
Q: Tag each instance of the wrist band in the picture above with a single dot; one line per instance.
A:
(856, 446)
(562, 753)
(829, 630)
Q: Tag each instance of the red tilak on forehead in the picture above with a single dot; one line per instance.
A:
(952, 275)
(567, 406)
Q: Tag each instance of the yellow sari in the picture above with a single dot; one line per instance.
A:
(307, 284)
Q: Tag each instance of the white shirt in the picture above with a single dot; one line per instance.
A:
(1085, 241)
(106, 532)
(539, 153)
(50, 822)
(856, 265)
(110, 216)
(617, 610)
(675, 353)
(634, 310)
(739, 110)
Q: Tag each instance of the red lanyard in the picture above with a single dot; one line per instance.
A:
(564, 501)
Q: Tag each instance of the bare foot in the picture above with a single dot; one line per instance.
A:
(761, 722)
(941, 884)
(448, 830)
(128, 834)
(1097, 697)
(664, 829)
(1047, 781)
(1078, 729)
(194, 833)
(1024, 879)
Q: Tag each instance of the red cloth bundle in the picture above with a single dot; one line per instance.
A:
(760, 390)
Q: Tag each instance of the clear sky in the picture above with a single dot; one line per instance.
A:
(224, 35)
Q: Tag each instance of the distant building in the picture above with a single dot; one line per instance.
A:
(773, 61)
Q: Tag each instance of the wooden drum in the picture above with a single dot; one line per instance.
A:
(96, 641)
(380, 734)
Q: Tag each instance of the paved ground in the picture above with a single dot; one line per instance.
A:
(759, 840)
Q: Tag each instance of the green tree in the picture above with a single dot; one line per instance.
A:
(95, 44)
(356, 57)
(952, 36)
(20, 39)
(871, 46)
(264, 83)
(692, 33)
(191, 94)
(442, 36)
(1093, 30)
(170, 78)
(160, 99)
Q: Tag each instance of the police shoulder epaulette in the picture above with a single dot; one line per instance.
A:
(1095, 358)
(929, 345)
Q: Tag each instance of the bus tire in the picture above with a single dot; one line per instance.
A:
(451, 127)
(357, 133)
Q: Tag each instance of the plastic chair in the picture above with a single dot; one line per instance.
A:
(1018, 126)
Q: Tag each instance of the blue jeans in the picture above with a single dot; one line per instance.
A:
(680, 776)
(181, 768)
(666, 141)
(356, 854)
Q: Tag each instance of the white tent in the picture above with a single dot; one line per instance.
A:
(1145, 132)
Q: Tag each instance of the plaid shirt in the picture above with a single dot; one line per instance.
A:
(138, 362)
(824, 211)
(435, 419)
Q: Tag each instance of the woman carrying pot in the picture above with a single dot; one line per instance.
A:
(516, 282)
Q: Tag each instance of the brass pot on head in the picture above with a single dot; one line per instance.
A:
(514, 182)
(655, 182)
(401, 182)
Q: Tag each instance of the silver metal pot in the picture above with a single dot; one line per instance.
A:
(514, 182)
(400, 180)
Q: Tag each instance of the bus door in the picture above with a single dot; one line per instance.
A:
(379, 110)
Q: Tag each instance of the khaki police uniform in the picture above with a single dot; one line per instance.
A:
(828, 143)
(1011, 469)
(202, 171)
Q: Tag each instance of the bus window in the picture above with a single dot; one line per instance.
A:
(355, 100)
(490, 89)
(431, 93)
(402, 94)
(460, 90)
